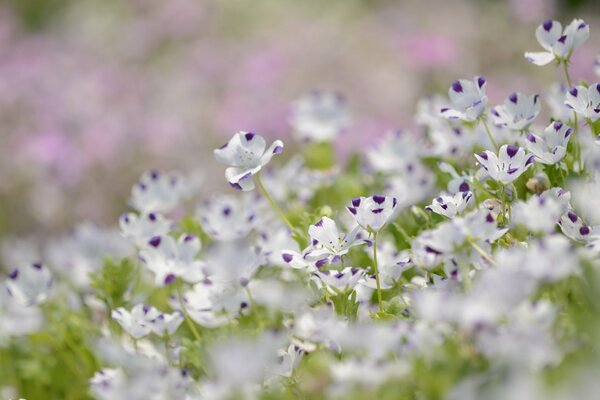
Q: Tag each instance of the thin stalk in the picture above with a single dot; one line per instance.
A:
(482, 252)
(576, 144)
(188, 320)
(376, 269)
(273, 203)
(489, 133)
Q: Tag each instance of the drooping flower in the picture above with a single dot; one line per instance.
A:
(517, 112)
(141, 228)
(29, 285)
(508, 165)
(169, 259)
(247, 154)
(559, 44)
(585, 101)
(158, 192)
(227, 218)
(468, 99)
(450, 206)
(319, 116)
(372, 213)
(551, 145)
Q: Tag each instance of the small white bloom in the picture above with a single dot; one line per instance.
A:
(372, 213)
(246, 154)
(396, 151)
(137, 323)
(517, 112)
(169, 259)
(326, 239)
(450, 206)
(508, 165)
(158, 192)
(29, 285)
(212, 303)
(167, 323)
(227, 218)
(585, 101)
(319, 116)
(551, 145)
(573, 227)
(107, 383)
(341, 280)
(539, 213)
(141, 228)
(468, 99)
(556, 101)
(559, 45)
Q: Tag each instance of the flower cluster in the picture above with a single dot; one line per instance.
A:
(459, 261)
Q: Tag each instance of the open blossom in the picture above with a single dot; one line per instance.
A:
(372, 213)
(169, 259)
(450, 206)
(539, 213)
(585, 101)
(342, 280)
(551, 145)
(517, 112)
(158, 192)
(247, 154)
(141, 228)
(29, 285)
(559, 44)
(508, 165)
(143, 320)
(226, 217)
(326, 238)
(573, 227)
(319, 116)
(468, 99)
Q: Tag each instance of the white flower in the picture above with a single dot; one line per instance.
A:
(246, 154)
(29, 285)
(169, 259)
(559, 45)
(556, 101)
(398, 150)
(573, 227)
(326, 239)
(157, 192)
(227, 218)
(517, 112)
(450, 206)
(107, 383)
(167, 323)
(585, 101)
(137, 323)
(319, 116)
(340, 280)
(141, 228)
(539, 213)
(508, 165)
(468, 99)
(372, 213)
(551, 146)
(212, 303)
(391, 266)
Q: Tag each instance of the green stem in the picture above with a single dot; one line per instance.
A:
(273, 203)
(482, 252)
(376, 269)
(188, 319)
(576, 144)
(489, 133)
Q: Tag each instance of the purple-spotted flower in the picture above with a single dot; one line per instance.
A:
(340, 281)
(326, 239)
(372, 213)
(247, 154)
(158, 192)
(450, 206)
(508, 165)
(227, 218)
(29, 285)
(559, 44)
(141, 228)
(138, 322)
(169, 259)
(319, 116)
(539, 213)
(551, 145)
(517, 112)
(573, 227)
(468, 99)
(585, 101)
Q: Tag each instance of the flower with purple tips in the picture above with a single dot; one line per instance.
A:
(550, 146)
(585, 101)
(559, 44)
(372, 213)
(517, 112)
(468, 100)
(30, 284)
(505, 167)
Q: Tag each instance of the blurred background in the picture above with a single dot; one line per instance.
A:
(95, 92)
